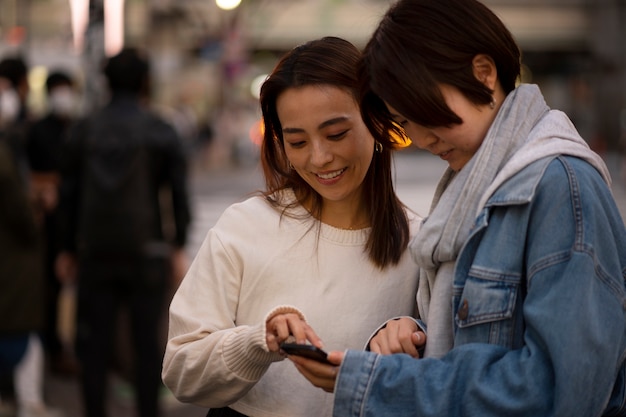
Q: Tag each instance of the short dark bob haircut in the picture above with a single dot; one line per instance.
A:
(420, 44)
(331, 61)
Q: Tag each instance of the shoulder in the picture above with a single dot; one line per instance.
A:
(155, 118)
(574, 192)
(256, 224)
(575, 172)
(156, 124)
(554, 176)
(251, 214)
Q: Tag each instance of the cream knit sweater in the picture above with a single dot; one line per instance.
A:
(253, 263)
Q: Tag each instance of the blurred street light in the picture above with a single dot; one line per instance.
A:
(227, 4)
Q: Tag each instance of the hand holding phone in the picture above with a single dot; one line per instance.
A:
(307, 351)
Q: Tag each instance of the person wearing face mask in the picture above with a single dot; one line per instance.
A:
(43, 147)
(9, 104)
(15, 119)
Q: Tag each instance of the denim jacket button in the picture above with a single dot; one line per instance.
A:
(463, 310)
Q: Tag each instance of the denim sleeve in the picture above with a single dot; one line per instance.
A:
(567, 367)
(574, 337)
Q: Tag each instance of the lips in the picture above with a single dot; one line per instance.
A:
(331, 175)
(444, 155)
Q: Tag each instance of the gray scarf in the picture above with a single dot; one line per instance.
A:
(524, 131)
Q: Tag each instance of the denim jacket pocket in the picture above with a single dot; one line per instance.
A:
(485, 310)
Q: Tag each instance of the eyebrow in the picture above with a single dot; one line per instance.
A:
(322, 125)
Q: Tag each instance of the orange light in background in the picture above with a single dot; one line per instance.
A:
(16, 35)
(400, 141)
(256, 132)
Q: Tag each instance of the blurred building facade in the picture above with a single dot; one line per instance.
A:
(205, 59)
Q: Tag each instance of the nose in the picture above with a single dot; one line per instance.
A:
(320, 153)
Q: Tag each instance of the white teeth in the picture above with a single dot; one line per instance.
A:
(330, 175)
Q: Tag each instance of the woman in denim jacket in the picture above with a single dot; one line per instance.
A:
(523, 255)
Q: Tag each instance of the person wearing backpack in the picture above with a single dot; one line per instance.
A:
(116, 164)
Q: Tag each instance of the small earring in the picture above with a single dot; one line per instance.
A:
(378, 147)
(290, 166)
(492, 105)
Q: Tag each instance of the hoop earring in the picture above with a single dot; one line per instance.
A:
(492, 105)
(378, 147)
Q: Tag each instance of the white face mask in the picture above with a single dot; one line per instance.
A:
(63, 102)
(9, 106)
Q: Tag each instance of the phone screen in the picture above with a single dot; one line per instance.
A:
(307, 351)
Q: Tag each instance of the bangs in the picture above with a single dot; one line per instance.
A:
(408, 79)
(419, 99)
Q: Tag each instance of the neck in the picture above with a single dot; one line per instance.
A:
(349, 216)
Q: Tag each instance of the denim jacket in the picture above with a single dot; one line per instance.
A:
(540, 312)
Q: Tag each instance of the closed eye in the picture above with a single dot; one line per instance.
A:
(339, 135)
(296, 145)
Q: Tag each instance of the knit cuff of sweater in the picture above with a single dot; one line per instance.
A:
(246, 353)
(284, 309)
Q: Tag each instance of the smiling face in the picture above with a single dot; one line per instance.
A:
(456, 144)
(326, 141)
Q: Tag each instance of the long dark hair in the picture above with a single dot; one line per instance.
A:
(422, 43)
(331, 61)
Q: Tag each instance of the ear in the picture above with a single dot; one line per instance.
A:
(485, 70)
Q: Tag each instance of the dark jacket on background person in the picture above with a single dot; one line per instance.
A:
(103, 163)
(21, 275)
(45, 142)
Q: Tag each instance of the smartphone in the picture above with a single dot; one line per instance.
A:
(307, 351)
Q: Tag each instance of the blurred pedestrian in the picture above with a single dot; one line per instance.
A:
(14, 72)
(43, 146)
(21, 273)
(323, 246)
(116, 165)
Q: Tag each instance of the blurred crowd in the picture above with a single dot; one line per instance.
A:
(94, 214)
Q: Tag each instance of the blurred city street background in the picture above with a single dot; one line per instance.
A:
(208, 60)
(209, 56)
